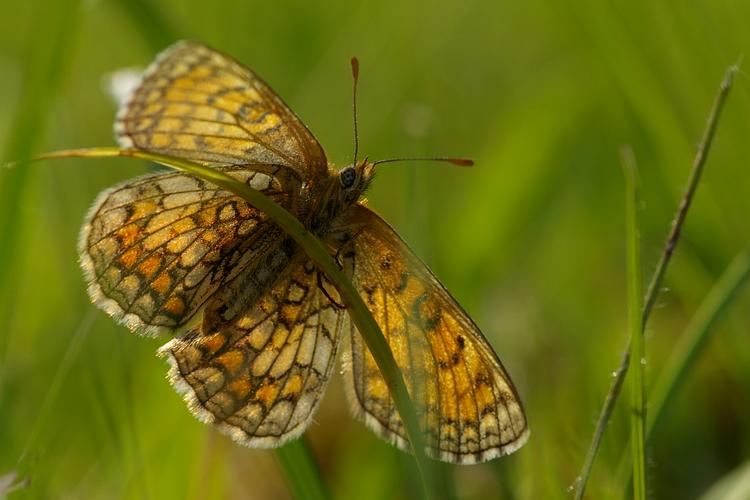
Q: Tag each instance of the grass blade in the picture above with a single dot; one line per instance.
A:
(696, 335)
(637, 343)
(656, 279)
(733, 486)
(56, 384)
(49, 51)
(303, 476)
(690, 346)
(315, 249)
(148, 19)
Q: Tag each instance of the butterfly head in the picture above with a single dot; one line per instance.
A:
(354, 180)
(343, 188)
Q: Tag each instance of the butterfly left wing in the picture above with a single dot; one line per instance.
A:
(196, 103)
(154, 249)
(468, 407)
(260, 377)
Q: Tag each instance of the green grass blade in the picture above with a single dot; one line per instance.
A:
(315, 249)
(693, 341)
(733, 486)
(690, 346)
(302, 474)
(150, 22)
(693, 179)
(637, 342)
(49, 51)
(53, 393)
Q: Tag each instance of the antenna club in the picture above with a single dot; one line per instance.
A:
(355, 67)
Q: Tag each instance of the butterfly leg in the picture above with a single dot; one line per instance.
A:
(346, 249)
(344, 241)
(325, 292)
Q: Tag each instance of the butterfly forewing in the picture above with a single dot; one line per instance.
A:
(199, 104)
(154, 249)
(469, 409)
(260, 376)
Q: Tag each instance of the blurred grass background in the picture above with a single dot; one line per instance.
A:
(531, 241)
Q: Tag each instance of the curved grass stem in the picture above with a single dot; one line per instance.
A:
(315, 249)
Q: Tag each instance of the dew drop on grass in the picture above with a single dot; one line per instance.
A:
(574, 484)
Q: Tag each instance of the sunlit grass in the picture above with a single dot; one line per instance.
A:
(530, 241)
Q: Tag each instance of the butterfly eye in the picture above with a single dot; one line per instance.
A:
(347, 177)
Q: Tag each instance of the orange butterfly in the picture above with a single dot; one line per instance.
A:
(170, 252)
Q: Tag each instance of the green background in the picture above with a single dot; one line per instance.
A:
(531, 240)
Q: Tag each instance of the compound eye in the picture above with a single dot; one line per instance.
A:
(347, 177)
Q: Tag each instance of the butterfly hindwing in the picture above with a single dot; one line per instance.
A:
(260, 377)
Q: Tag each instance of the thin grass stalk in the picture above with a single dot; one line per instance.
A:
(315, 249)
(697, 333)
(656, 279)
(689, 347)
(55, 385)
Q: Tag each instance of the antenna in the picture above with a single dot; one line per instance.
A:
(355, 79)
(460, 162)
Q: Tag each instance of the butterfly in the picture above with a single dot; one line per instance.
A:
(257, 326)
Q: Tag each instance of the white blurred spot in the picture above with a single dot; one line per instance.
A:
(574, 485)
(120, 84)
(417, 119)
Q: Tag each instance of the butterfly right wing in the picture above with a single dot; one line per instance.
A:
(196, 103)
(468, 407)
(156, 248)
